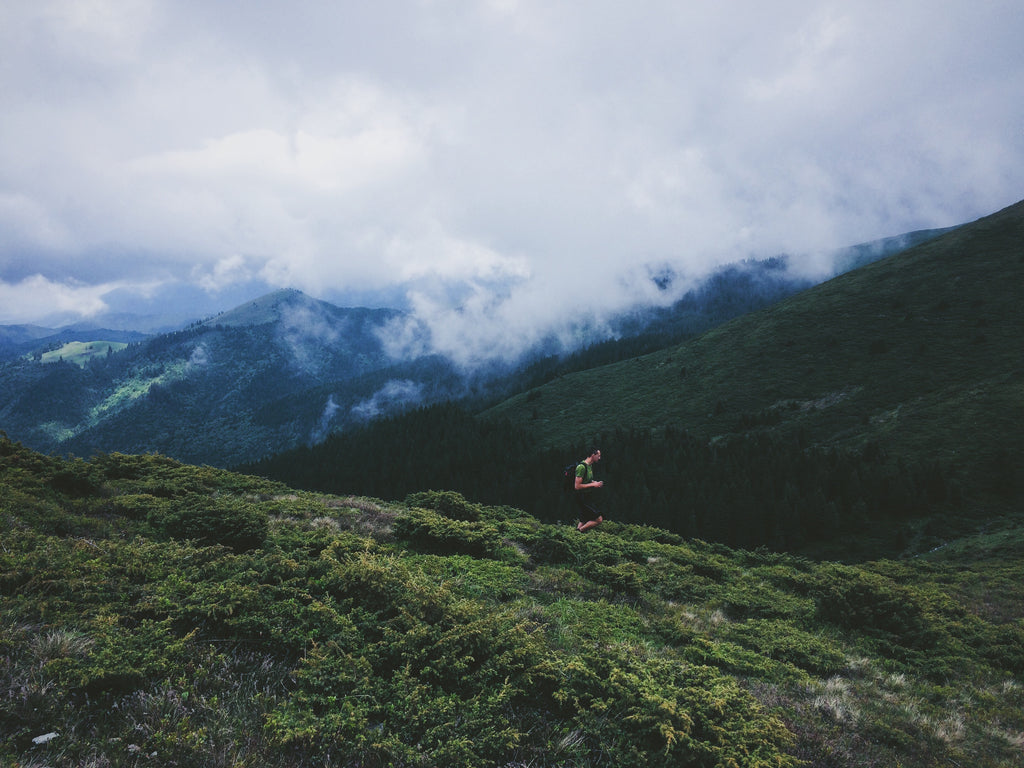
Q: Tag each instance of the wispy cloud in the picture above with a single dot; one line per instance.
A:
(508, 167)
(323, 426)
(395, 394)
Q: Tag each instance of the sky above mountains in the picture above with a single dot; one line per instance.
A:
(501, 167)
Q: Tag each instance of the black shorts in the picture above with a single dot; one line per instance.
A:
(585, 511)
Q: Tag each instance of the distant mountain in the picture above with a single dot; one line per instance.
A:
(276, 372)
(728, 292)
(164, 308)
(13, 338)
(905, 334)
(274, 307)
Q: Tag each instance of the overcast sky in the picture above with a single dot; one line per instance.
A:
(501, 165)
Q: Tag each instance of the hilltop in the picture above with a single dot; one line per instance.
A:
(295, 308)
(155, 612)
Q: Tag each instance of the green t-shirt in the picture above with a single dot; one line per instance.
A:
(586, 472)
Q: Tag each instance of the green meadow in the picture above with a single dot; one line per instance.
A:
(80, 352)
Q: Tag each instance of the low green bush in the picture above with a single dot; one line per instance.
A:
(750, 596)
(448, 503)
(228, 521)
(786, 642)
(479, 578)
(551, 545)
(76, 478)
(141, 506)
(640, 710)
(860, 600)
(433, 532)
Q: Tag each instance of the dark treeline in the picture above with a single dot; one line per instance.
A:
(747, 491)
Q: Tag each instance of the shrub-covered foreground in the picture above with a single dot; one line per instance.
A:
(160, 614)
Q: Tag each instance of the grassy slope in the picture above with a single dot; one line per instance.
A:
(80, 352)
(346, 631)
(920, 352)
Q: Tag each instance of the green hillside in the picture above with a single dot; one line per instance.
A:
(251, 381)
(155, 613)
(918, 354)
(81, 352)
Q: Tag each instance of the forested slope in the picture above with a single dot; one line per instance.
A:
(752, 491)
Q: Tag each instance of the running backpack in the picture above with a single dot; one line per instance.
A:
(569, 476)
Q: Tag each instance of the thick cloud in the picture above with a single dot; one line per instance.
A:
(506, 165)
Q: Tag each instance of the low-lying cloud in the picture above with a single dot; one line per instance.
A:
(505, 170)
(323, 425)
(304, 329)
(395, 395)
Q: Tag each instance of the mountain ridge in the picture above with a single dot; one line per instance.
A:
(278, 305)
(781, 361)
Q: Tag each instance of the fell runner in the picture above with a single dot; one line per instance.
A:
(588, 515)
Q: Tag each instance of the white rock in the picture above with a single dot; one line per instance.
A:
(45, 737)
